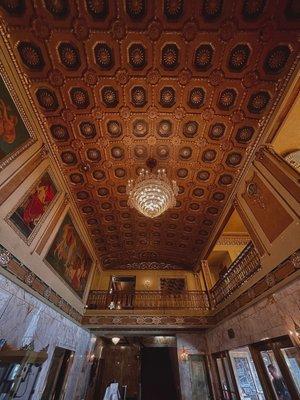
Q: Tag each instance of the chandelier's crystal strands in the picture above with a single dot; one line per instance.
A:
(152, 193)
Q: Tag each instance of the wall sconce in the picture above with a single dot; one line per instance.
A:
(115, 340)
(147, 283)
(184, 355)
(296, 331)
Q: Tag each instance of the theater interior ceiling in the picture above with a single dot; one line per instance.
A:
(192, 84)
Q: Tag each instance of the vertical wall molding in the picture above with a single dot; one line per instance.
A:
(280, 170)
(9, 187)
(251, 230)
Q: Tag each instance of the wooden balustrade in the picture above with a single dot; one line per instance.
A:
(148, 300)
(245, 266)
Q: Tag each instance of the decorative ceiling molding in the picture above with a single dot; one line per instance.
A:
(196, 99)
(150, 265)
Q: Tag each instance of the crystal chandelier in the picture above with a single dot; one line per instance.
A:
(152, 193)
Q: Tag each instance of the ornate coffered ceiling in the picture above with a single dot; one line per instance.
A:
(191, 83)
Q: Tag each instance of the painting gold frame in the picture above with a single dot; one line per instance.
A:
(7, 159)
(28, 240)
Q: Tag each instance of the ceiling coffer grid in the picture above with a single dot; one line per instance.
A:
(185, 82)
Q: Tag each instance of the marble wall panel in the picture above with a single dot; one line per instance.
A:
(192, 344)
(24, 318)
(273, 316)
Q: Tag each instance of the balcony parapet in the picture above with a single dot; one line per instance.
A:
(243, 268)
(148, 300)
(181, 316)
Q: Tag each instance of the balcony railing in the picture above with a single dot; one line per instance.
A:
(245, 266)
(148, 300)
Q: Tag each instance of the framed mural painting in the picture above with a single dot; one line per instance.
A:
(14, 136)
(69, 257)
(30, 212)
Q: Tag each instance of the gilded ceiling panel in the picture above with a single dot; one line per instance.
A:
(190, 83)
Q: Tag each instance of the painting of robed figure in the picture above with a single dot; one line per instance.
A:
(13, 133)
(69, 257)
(30, 212)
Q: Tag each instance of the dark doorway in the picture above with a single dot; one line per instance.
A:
(121, 292)
(160, 376)
(58, 373)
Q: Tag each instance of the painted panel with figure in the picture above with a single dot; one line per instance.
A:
(69, 257)
(33, 208)
(13, 133)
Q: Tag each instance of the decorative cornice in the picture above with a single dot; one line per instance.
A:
(233, 240)
(142, 321)
(16, 268)
(152, 265)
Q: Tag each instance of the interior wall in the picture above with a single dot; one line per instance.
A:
(146, 279)
(23, 318)
(287, 139)
(231, 243)
(95, 284)
(191, 344)
(272, 212)
(234, 250)
(268, 203)
(218, 262)
(275, 315)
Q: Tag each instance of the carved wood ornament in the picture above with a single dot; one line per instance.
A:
(190, 83)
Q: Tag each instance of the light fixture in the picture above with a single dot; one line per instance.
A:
(184, 355)
(147, 283)
(152, 193)
(115, 340)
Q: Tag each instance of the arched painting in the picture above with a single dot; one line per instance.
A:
(13, 133)
(69, 257)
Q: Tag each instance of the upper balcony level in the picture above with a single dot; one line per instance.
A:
(243, 281)
(148, 300)
(244, 267)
